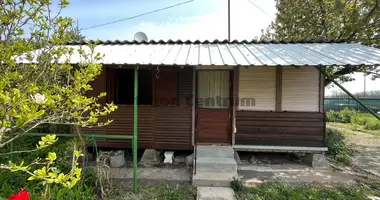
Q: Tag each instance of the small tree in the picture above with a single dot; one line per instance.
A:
(38, 85)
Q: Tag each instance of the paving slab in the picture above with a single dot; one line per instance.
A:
(215, 193)
(300, 174)
(169, 174)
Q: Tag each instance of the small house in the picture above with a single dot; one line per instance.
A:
(253, 96)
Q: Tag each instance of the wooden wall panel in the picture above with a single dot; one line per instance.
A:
(160, 127)
(305, 129)
(166, 88)
(123, 125)
(98, 86)
(257, 86)
(300, 89)
(213, 125)
(173, 122)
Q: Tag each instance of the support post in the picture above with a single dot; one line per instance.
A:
(278, 89)
(348, 93)
(135, 128)
(193, 107)
(235, 101)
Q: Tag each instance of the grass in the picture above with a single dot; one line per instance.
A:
(158, 192)
(353, 128)
(337, 148)
(280, 191)
(356, 119)
(87, 188)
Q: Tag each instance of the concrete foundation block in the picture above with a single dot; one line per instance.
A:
(315, 160)
(150, 157)
(189, 160)
(169, 155)
(117, 159)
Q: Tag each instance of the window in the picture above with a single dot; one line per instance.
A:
(213, 89)
(124, 86)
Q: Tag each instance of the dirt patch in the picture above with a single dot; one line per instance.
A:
(366, 150)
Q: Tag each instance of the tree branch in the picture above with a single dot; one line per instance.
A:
(370, 13)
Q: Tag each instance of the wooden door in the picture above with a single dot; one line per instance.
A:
(213, 107)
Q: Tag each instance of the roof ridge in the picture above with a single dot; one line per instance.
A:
(117, 42)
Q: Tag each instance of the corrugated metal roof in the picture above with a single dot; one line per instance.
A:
(235, 53)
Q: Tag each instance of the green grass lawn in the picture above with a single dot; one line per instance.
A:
(353, 128)
(278, 191)
(157, 192)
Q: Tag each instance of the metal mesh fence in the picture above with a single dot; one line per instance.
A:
(341, 103)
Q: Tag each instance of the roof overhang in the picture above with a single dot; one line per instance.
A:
(245, 54)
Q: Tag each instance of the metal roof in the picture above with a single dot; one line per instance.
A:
(235, 53)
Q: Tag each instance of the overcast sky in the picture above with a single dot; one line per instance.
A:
(199, 19)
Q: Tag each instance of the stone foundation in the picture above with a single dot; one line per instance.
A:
(150, 157)
(315, 160)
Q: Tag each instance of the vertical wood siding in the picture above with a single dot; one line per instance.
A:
(258, 83)
(213, 125)
(304, 129)
(123, 124)
(98, 86)
(173, 122)
(300, 89)
(161, 126)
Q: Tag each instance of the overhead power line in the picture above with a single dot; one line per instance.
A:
(261, 9)
(136, 16)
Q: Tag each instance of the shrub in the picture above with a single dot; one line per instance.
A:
(367, 120)
(332, 116)
(359, 120)
(237, 185)
(342, 116)
(372, 124)
(337, 148)
(12, 182)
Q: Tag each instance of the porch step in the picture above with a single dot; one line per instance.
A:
(215, 166)
(210, 164)
(215, 179)
(215, 151)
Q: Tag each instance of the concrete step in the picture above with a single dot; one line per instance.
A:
(215, 179)
(215, 151)
(215, 193)
(207, 164)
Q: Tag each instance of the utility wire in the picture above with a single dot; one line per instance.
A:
(136, 16)
(261, 9)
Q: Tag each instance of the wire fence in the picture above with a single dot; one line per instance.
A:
(341, 103)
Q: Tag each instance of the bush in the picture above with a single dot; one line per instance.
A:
(337, 148)
(365, 120)
(237, 185)
(342, 116)
(13, 182)
(372, 124)
(332, 116)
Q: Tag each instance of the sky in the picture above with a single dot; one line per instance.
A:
(199, 19)
(196, 20)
